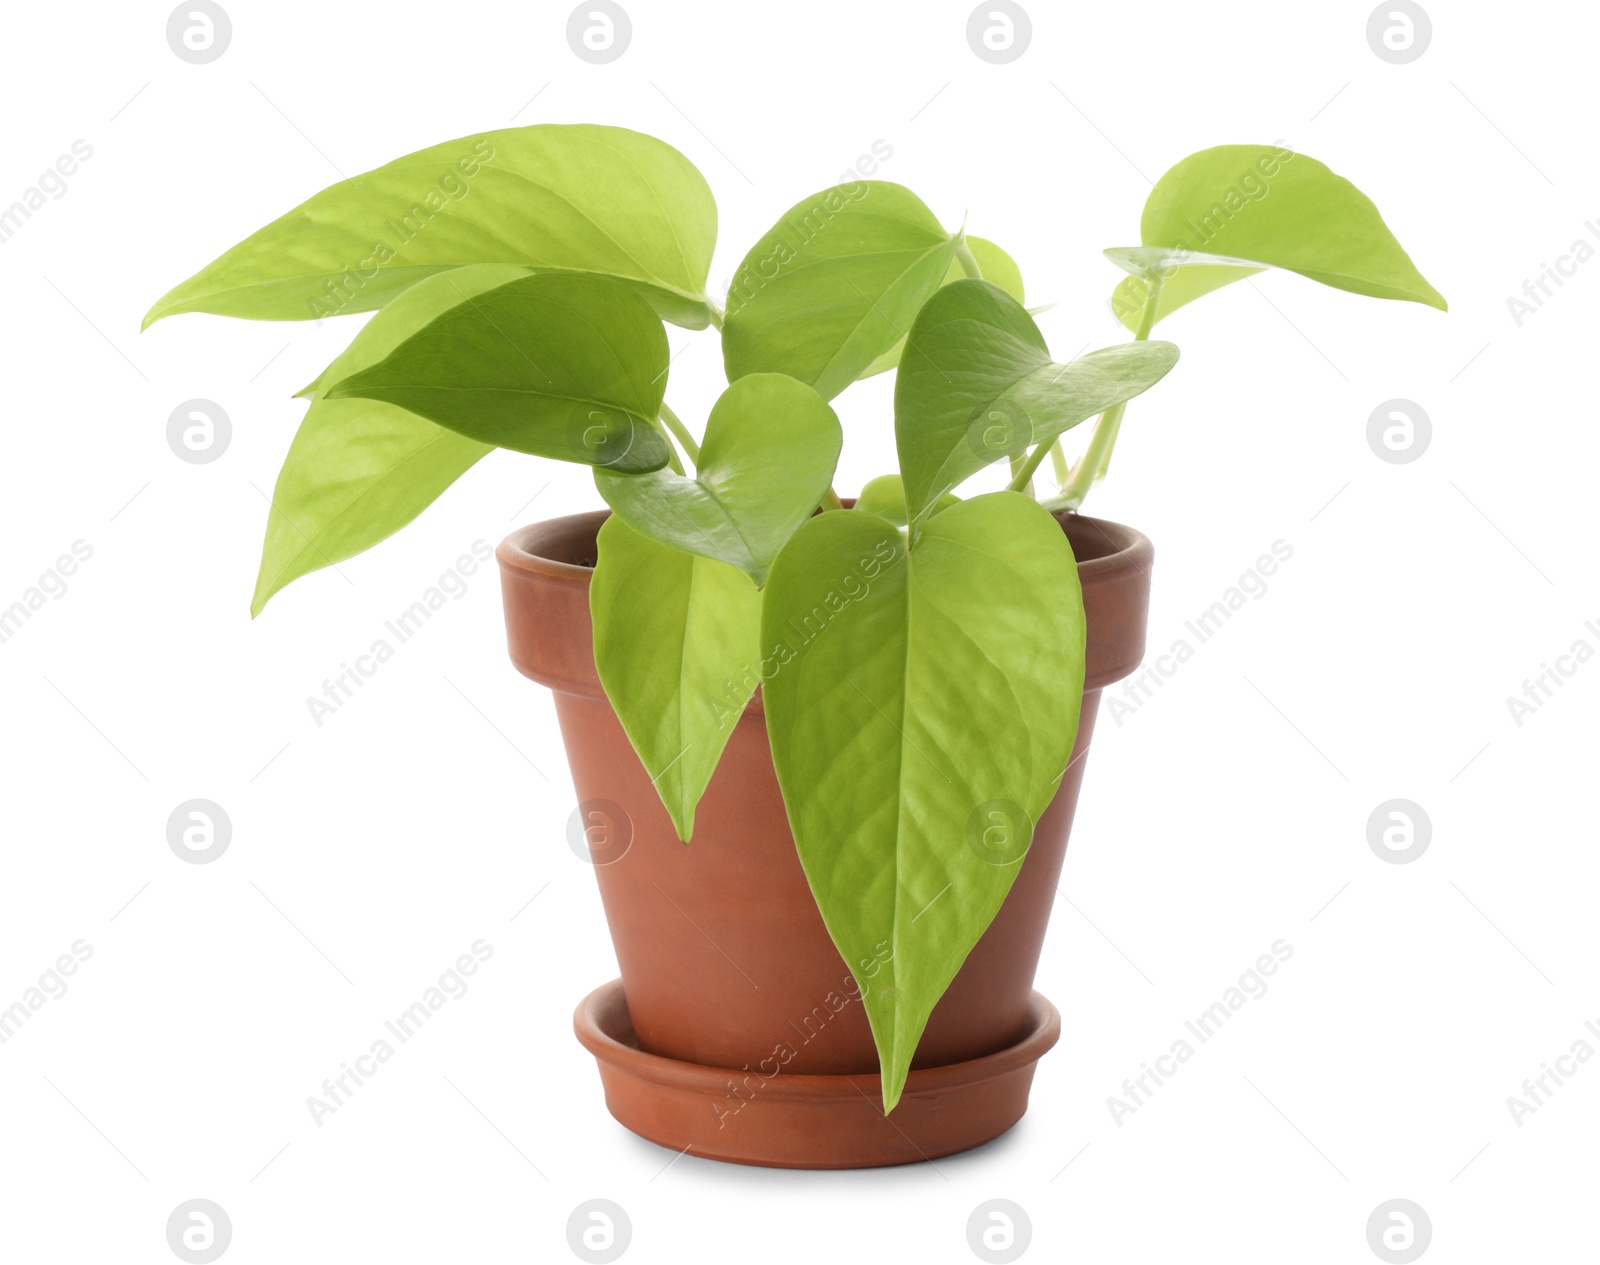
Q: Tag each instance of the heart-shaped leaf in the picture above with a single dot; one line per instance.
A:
(977, 384)
(359, 470)
(1225, 213)
(834, 284)
(676, 642)
(996, 266)
(928, 690)
(770, 448)
(557, 365)
(576, 198)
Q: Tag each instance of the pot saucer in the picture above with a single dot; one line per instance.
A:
(764, 1115)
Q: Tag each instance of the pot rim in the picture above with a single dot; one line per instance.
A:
(553, 558)
(1131, 548)
(604, 1028)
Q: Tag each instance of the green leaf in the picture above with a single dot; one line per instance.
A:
(569, 367)
(1226, 213)
(834, 284)
(977, 384)
(575, 198)
(770, 448)
(996, 266)
(676, 641)
(359, 470)
(923, 690)
(885, 496)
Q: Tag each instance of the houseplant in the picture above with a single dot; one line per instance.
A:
(921, 659)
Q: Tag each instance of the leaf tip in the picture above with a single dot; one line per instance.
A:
(682, 815)
(169, 304)
(894, 1083)
(266, 590)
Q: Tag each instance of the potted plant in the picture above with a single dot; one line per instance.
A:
(827, 751)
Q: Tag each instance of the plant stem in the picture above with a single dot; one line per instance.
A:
(676, 426)
(1022, 480)
(1096, 459)
(831, 501)
(716, 313)
(1058, 462)
(1018, 461)
(1083, 474)
(967, 260)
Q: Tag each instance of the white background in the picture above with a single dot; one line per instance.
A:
(1225, 813)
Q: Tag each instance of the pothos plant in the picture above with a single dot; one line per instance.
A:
(921, 656)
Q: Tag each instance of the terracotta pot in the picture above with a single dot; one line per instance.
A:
(736, 1031)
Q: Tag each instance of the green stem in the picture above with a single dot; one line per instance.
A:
(831, 501)
(676, 426)
(1096, 459)
(1083, 474)
(1018, 461)
(1058, 462)
(967, 260)
(1105, 457)
(716, 313)
(1022, 479)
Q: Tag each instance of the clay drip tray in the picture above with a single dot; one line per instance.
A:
(771, 1117)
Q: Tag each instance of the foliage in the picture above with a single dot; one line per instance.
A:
(927, 651)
